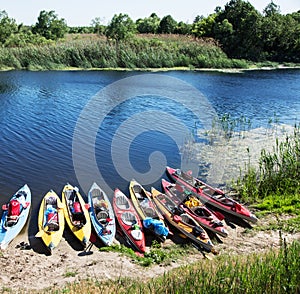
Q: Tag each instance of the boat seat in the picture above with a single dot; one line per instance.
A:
(129, 218)
(96, 193)
(185, 218)
(122, 202)
(11, 220)
(150, 212)
(102, 216)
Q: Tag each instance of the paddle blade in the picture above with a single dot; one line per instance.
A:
(40, 233)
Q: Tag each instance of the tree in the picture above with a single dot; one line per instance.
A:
(167, 25)
(8, 26)
(120, 28)
(204, 27)
(49, 26)
(243, 20)
(183, 28)
(281, 37)
(271, 9)
(98, 28)
(148, 25)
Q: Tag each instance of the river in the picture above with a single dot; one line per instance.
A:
(111, 126)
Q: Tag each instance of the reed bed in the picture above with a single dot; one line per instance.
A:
(99, 53)
(277, 180)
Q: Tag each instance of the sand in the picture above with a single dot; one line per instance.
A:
(34, 268)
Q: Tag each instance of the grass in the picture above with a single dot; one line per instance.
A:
(157, 254)
(141, 52)
(277, 270)
(276, 184)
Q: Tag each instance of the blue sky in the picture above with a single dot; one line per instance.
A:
(81, 13)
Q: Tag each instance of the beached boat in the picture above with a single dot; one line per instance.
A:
(195, 208)
(51, 221)
(129, 221)
(211, 196)
(14, 216)
(76, 213)
(182, 221)
(102, 214)
(147, 210)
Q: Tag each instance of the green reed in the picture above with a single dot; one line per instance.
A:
(278, 173)
(135, 53)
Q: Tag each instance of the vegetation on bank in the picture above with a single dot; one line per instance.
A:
(277, 271)
(275, 186)
(226, 38)
(140, 52)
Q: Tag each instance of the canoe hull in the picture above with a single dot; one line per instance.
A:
(146, 208)
(207, 219)
(105, 225)
(211, 196)
(7, 234)
(51, 238)
(182, 221)
(129, 221)
(81, 230)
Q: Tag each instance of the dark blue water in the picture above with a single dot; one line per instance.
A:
(108, 127)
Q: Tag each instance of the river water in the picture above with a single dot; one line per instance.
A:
(111, 126)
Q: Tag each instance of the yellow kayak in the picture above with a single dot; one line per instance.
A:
(76, 213)
(51, 221)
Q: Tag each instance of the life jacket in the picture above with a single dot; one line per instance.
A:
(14, 207)
(52, 216)
(77, 207)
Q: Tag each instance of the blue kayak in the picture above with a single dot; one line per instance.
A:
(15, 215)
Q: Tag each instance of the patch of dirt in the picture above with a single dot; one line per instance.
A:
(33, 268)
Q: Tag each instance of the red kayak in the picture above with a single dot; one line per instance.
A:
(129, 221)
(212, 196)
(193, 206)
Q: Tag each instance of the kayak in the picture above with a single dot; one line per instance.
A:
(51, 221)
(147, 210)
(76, 214)
(14, 216)
(193, 206)
(129, 221)
(182, 221)
(211, 196)
(102, 214)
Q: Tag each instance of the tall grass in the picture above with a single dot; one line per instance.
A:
(276, 271)
(278, 174)
(136, 53)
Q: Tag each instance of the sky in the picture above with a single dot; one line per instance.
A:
(81, 13)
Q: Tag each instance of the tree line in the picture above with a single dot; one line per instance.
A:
(240, 30)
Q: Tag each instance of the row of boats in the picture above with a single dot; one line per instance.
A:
(185, 205)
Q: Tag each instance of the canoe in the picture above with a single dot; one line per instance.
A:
(147, 210)
(102, 214)
(211, 196)
(129, 221)
(193, 206)
(182, 221)
(51, 221)
(76, 213)
(14, 216)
